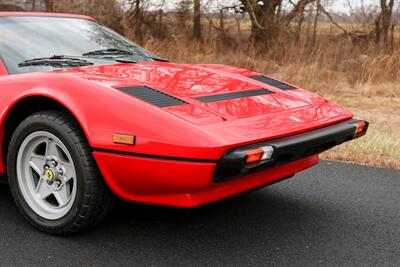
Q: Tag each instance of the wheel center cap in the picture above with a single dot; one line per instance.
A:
(50, 176)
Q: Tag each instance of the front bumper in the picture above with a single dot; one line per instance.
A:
(179, 183)
(182, 184)
(288, 149)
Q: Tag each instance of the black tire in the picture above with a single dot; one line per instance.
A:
(93, 198)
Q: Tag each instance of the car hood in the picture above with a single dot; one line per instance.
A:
(239, 119)
(191, 83)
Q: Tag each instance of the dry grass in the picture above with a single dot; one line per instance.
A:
(367, 86)
(381, 146)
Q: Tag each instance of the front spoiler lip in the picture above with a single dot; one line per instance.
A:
(287, 149)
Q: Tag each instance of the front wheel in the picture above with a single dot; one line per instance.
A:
(53, 176)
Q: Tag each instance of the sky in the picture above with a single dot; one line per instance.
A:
(343, 6)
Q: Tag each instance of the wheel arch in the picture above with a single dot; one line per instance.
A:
(20, 110)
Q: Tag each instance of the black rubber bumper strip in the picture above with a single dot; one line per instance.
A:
(140, 155)
(287, 149)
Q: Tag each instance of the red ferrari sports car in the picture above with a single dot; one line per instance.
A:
(87, 114)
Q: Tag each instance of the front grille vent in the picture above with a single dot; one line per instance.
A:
(272, 82)
(152, 96)
(234, 95)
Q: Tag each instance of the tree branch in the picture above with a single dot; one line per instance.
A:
(333, 21)
(253, 16)
(297, 9)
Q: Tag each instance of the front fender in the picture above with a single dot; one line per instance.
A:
(102, 111)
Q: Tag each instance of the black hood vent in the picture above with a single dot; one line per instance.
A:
(234, 95)
(152, 96)
(272, 82)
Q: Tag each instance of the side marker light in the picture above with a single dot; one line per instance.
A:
(126, 139)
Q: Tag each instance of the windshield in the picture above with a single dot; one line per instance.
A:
(25, 38)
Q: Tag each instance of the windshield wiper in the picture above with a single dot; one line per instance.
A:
(125, 60)
(56, 61)
(159, 59)
(119, 52)
(107, 52)
(115, 53)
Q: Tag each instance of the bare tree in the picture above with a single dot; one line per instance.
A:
(197, 19)
(222, 24)
(183, 13)
(383, 25)
(315, 27)
(267, 18)
(134, 19)
(262, 15)
(50, 5)
(239, 32)
(299, 27)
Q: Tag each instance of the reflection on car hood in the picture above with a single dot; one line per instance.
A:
(194, 82)
(255, 117)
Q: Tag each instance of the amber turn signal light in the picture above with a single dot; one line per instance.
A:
(254, 155)
(360, 128)
(259, 154)
(126, 139)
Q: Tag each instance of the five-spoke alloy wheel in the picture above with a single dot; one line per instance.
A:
(46, 175)
(53, 176)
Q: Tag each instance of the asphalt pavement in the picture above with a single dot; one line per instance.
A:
(334, 214)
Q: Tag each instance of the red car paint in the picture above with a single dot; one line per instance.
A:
(199, 131)
(3, 70)
(183, 184)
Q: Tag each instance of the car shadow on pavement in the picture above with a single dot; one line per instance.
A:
(250, 216)
(253, 218)
(258, 220)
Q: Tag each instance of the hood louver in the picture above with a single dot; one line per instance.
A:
(234, 95)
(272, 82)
(152, 96)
